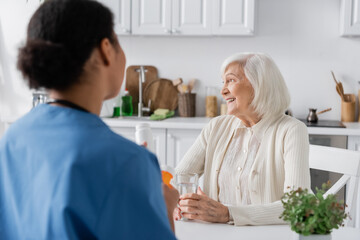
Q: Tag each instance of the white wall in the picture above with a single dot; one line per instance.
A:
(15, 97)
(301, 36)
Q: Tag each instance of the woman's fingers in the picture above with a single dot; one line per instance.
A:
(199, 206)
(190, 196)
(188, 202)
(189, 210)
(200, 192)
(194, 216)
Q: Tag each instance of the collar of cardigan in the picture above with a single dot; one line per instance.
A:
(259, 128)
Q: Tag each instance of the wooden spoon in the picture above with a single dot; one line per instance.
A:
(334, 77)
(340, 93)
(339, 87)
(191, 84)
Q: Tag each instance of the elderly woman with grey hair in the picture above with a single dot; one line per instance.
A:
(251, 156)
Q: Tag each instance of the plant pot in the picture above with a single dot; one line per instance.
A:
(312, 237)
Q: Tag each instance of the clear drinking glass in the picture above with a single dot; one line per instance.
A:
(187, 183)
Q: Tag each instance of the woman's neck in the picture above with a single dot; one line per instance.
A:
(250, 119)
(86, 96)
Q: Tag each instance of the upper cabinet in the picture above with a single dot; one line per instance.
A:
(151, 17)
(192, 17)
(233, 17)
(183, 17)
(122, 15)
(171, 17)
(350, 18)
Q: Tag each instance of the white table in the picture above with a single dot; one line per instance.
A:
(199, 230)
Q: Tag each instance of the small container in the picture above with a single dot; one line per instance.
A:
(223, 107)
(187, 104)
(126, 106)
(348, 108)
(312, 117)
(116, 112)
(116, 107)
(143, 134)
(211, 102)
(167, 174)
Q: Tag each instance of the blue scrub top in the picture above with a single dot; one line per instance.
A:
(65, 175)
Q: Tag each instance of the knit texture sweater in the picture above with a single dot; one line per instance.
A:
(281, 163)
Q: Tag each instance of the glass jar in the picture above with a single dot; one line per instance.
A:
(211, 101)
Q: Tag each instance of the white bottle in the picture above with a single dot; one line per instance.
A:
(143, 134)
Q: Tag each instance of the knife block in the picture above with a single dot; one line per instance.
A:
(348, 108)
(187, 104)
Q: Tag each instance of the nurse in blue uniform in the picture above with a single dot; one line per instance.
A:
(63, 173)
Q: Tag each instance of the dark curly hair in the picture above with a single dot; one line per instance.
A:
(61, 36)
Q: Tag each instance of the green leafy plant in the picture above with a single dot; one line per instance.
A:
(312, 214)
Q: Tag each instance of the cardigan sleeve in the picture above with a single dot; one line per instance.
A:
(297, 174)
(296, 158)
(194, 159)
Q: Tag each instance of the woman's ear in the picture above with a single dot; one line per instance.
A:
(106, 50)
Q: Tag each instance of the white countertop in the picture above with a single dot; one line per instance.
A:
(214, 231)
(352, 129)
(174, 122)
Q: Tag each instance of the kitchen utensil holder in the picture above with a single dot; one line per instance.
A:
(348, 108)
(187, 104)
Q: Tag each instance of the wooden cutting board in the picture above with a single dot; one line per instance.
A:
(132, 82)
(162, 93)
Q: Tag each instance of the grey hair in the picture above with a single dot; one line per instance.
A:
(271, 95)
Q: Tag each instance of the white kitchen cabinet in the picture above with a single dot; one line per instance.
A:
(159, 135)
(192, 17)
(183, 17)
(122, 15)
(350, 18)
(171, 17)
(354, 143)
(151, 17)
(233, 17)
(170, 144)
(178, 143)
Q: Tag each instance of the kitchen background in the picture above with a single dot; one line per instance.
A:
(303, 37)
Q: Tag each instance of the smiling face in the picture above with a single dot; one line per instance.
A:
(237, 92)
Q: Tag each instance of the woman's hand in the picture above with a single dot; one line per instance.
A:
(201, 207)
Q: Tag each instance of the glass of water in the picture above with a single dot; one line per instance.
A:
(187, 183)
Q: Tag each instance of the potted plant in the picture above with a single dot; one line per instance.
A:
(312, 216)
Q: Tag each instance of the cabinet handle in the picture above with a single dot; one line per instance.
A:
(167, 31)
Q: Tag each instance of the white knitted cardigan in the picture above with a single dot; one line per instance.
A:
(282, 161)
